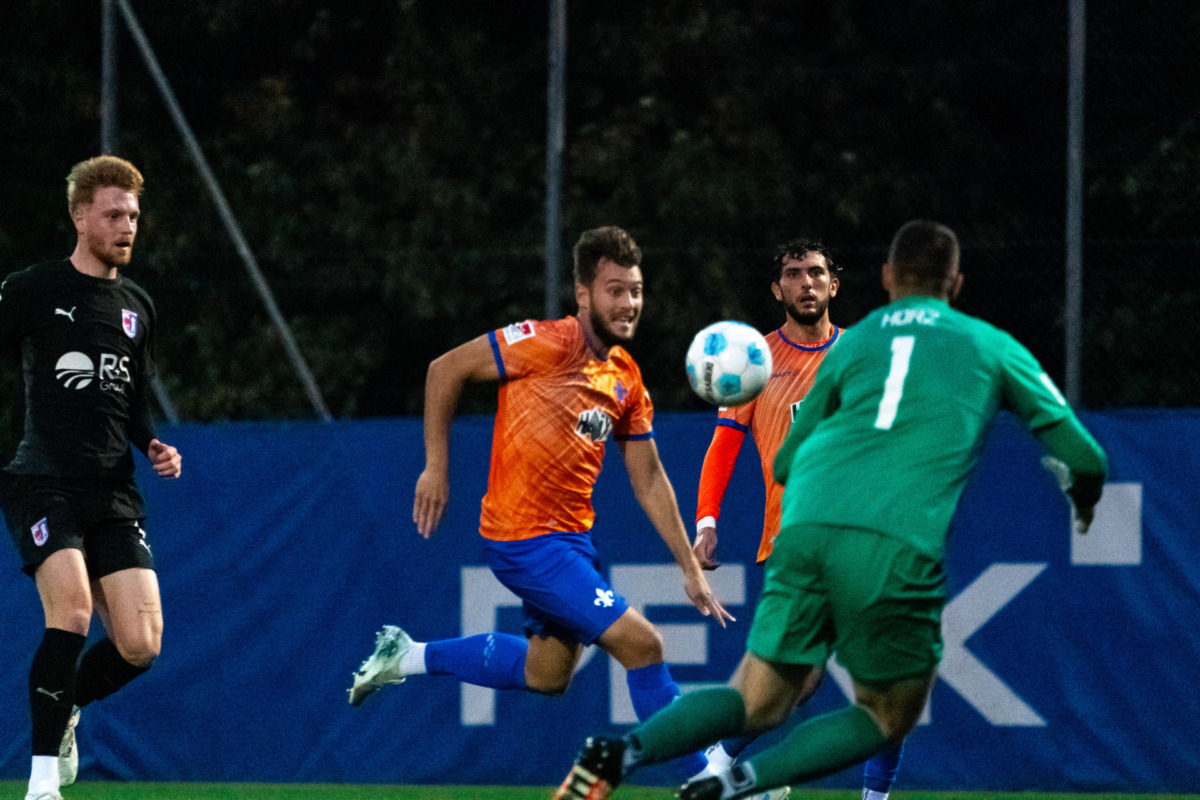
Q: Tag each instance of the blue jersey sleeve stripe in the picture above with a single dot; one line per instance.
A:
(635, 437)
(733, 423)
(496, 355)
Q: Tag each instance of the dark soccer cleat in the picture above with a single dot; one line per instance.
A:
(704, 789)
(597, 770)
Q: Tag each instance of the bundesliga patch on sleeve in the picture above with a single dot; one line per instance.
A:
(518, 331)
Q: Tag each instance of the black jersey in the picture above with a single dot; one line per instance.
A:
(84, 346)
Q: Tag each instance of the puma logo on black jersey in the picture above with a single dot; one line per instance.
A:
(68, 314)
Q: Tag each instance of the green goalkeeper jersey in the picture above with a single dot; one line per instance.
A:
(898, 415)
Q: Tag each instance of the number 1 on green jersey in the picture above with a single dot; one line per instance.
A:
(893, 387)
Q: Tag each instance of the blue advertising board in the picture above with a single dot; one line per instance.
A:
(285, 546)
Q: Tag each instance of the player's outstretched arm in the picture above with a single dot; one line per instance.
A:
(714, 480)
(444, 382)
(165, 459)
(656, 496)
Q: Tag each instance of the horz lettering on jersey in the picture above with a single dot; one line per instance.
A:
(594, 424)
(907, 316)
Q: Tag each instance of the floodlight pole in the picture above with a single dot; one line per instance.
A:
(1073, 312)
(555, 136)
(226, 213)
(108, 144)
(108, 77)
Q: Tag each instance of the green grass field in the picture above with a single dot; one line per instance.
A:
(309, 791)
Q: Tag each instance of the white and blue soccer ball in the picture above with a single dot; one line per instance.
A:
(728, 363)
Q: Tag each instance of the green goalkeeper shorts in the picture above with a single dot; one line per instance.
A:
(873, 600)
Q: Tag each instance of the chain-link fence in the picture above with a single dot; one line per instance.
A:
(386, 163)
(1142, 343)
(891, 111)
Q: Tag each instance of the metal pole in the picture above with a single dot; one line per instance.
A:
(1073, 313)
(108, 78)
(108, 144)
(555, 127)
(226, 214)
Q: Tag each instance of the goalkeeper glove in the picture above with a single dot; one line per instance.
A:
(1081, 515)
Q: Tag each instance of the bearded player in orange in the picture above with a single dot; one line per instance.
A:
(566, 387)
(804, 280)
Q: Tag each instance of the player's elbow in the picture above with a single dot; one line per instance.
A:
(440, 371)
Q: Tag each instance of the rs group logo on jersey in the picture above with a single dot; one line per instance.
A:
(77, 371)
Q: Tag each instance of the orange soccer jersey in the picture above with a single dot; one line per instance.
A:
(768, 417)
(559, 404)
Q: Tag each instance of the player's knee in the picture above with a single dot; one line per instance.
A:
(761, 718)
(143, 659)
(552, 682)
(641, 649)
(633, 642)
(142, 652)
(551, 688)
(67, 606)
(895, 709)
(652, 649)
(896, 727)
(549, 676)
(810, 685)
(646, 644)
(74, 617)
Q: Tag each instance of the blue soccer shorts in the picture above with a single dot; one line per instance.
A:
(557, 577)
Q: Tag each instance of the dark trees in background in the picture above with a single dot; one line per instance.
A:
(386, 162)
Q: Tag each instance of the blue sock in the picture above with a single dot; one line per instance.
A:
(652, 688)
(734, 747)
(494, 660)
(880, 772)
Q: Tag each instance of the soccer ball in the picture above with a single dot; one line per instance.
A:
(728, 363)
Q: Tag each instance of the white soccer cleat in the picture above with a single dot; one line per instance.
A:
(43, 796)
(717, 758)
(719, 761)
(68, 753)
(383, 667)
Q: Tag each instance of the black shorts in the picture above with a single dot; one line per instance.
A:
(102, 519)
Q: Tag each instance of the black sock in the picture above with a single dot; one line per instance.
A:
(52, 688)
(101, 672)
